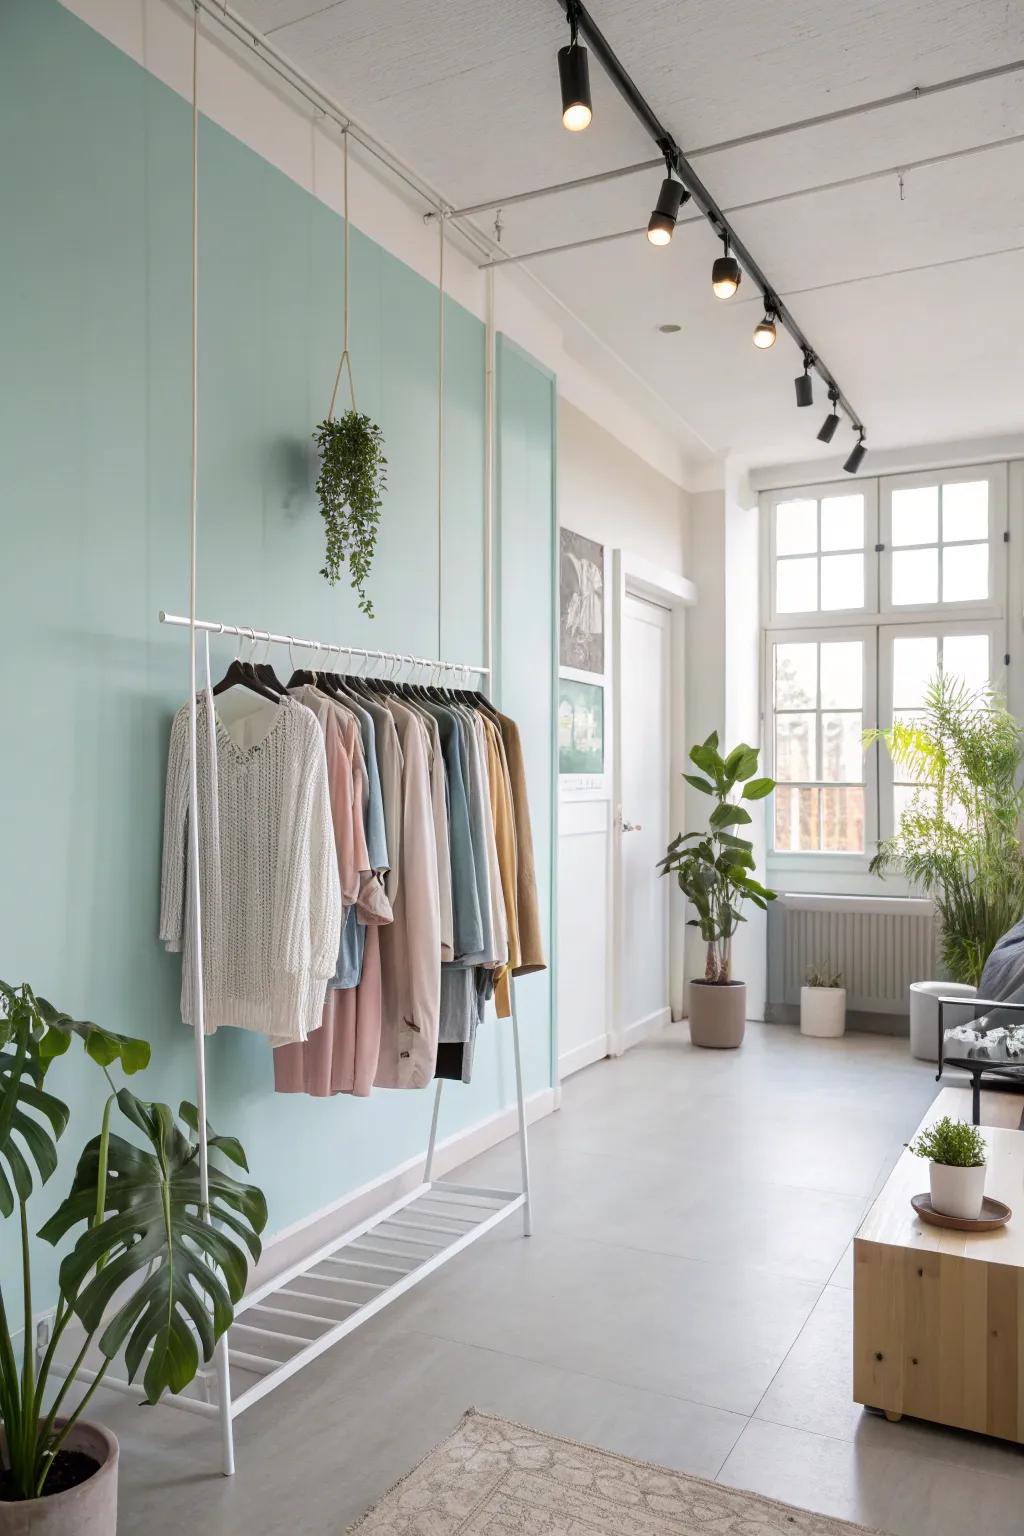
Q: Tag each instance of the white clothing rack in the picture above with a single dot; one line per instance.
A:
(285, 1323)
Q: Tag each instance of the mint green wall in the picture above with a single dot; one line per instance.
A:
(94, 438)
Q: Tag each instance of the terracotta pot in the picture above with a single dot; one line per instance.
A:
(718, 1013)
(88, 1510)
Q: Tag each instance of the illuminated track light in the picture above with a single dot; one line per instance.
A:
(574, 79)
(726, 274)
(666, 210)
(765, 331)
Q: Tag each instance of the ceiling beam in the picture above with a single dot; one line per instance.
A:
(702, 197)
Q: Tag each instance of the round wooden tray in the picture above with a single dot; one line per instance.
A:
(993, 1214)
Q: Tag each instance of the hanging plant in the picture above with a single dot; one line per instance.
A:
(352, 478)
(351, 486)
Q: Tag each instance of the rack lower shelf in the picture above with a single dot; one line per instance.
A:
(284, 1324)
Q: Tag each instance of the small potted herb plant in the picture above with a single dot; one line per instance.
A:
(152, 1272)
(715, 871)
(957, 1155)
(823, 1003)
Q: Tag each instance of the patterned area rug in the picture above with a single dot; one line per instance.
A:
(495, 1478)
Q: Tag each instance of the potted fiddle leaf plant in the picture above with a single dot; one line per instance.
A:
(715, 871)
(148, 1276)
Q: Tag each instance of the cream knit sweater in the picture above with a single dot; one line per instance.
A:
(270, 897)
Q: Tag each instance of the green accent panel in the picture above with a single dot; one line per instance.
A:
(94, 442)
(526, 538)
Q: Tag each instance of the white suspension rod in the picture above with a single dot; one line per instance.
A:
(247, 632)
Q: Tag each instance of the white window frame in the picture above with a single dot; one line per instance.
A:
(940, 629)
(993, 605)
(869, 490)
(823, 634)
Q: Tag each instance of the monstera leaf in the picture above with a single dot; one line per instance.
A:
(169, 1275)
(32, 1033)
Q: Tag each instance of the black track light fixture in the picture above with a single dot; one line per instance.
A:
(574, 77)
(831, 422)
(765, 331)
(803, 383)
(726, 272)
(857, 453)
(666, 210)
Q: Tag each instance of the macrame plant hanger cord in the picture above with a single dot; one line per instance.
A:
(345, 361)
(440, 422)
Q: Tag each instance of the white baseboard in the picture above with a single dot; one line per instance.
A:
(584, 1055)
(292, 1243)
(641, 1028)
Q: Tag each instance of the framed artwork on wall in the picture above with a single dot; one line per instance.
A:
(580, 727)
(581, 603)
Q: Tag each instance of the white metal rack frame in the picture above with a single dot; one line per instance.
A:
(285, 1323)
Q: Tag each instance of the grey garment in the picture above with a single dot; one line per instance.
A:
(1002, 980)
(468, 929)
(389, 765)
(373, 806)
(455, 1058)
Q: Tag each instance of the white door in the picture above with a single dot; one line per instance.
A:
(643, 819)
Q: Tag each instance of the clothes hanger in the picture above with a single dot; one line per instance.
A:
(237, 675)
(266, 674)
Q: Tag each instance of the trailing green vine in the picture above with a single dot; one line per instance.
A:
(351, 486)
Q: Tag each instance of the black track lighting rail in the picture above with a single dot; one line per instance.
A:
(701, 197)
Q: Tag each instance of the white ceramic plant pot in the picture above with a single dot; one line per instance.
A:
(924, 1014)
(957, 1191)
(823, 1012)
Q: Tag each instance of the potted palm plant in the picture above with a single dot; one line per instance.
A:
(715, 871)
(958, 839)
(147, 1275)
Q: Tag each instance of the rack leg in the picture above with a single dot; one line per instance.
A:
(524, 1154)
(227, 1428)
(428, 1167)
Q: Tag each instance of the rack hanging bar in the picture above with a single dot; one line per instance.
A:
(247, 632)
(702, 198)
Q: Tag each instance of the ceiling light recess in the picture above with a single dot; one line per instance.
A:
(574, 76)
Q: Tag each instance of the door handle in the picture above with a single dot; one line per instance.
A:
(631, 826)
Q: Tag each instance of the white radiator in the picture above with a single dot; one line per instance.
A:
(881, 945)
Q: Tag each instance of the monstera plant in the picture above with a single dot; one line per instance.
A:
(149, 1273)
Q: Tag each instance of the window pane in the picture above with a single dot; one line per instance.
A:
(842, 820)
(796, 586)
(842, 759)
(965, 510)
(914, 664)
(842, 674)
(907, 797)
(915, 576)
(842, 581)
(842, 522)
(796, 527)
(796, 675)
(795, 756)
(915, 515)
(967, 656)
(964, 573)
(796, 820)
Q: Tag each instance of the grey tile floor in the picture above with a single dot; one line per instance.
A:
(685, 1299)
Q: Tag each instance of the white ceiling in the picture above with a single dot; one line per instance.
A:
(916, 304)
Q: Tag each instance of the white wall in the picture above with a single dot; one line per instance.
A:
(609, 494)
